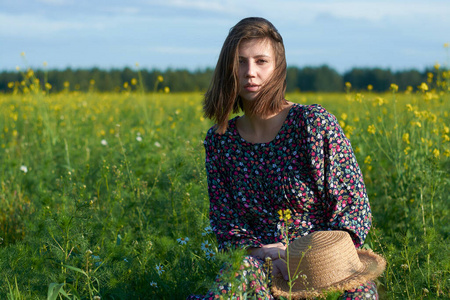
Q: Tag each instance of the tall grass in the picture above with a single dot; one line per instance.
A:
(104, 195)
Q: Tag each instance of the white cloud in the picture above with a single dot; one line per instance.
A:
(29, 25)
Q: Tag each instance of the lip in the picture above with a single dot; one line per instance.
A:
(251, 87)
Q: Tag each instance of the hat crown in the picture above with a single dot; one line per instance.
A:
(323, 258)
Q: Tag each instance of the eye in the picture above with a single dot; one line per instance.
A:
(262, 61)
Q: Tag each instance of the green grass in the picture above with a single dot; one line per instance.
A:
(113, 180)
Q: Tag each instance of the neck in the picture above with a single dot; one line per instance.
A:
(262, 127)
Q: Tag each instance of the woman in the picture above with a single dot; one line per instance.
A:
(278, 158)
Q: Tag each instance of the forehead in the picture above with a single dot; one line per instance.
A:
(252, 47)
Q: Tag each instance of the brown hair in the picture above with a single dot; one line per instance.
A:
(222, 97)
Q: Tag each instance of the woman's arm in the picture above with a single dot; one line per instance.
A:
(338, 177)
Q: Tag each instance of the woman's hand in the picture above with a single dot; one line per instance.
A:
(274, 251)
(279, 266)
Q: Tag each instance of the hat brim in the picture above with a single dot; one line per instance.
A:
(373, 266)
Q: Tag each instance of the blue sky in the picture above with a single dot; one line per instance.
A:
(396, 34)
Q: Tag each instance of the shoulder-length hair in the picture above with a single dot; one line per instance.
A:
(222, 97)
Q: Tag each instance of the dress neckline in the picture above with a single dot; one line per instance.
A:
(235, 131)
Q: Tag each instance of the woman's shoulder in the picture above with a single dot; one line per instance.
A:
(311, 113)
(212, 135)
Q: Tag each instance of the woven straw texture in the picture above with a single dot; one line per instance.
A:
(330, 263)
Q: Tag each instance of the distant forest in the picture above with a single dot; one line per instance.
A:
(306, 79)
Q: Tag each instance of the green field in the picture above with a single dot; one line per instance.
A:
(105, 195)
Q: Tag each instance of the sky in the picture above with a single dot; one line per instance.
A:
(178, 34)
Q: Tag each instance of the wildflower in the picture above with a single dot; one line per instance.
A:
(104, 142)
(394, 87)
(344, 116)
(418, 124)
(139, 138)
(166, 90)
(208, 230)
(183, 241)
(92, 82)
(157, 144)
(206, 246)
(446, 45)
(348, 85)
(404, 267)
(66, 84)
(24, 169)
(380, 101)
(284, 214)
(370, 87)
(10, 85)
(423, 86)
(133, 81)
(445, 138)
(447, 153)
(160, 78)
(405, 137)
(153, 284)
(425, 291)
(160, 269)
(371, 129)
(210, 255)
(97, 297)
(368, 160)
(48, 86)
(125, 85)
(436, 153)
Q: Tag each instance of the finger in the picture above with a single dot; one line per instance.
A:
(279, 266)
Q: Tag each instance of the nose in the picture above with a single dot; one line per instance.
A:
(250, 70)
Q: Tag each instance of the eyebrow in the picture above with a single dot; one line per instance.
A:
(257, 56)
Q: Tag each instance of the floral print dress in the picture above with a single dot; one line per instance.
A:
(309, 169)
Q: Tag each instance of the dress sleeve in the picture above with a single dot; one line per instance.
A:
(338, 178)
(227, 221)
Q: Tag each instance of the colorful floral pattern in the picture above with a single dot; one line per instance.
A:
(309, 169)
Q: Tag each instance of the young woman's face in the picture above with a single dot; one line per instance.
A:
(256, 65)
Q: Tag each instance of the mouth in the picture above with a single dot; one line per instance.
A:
(251, 85)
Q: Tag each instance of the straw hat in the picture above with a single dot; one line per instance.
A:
(330, 263)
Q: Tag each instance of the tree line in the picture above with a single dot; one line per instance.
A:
(306, 79)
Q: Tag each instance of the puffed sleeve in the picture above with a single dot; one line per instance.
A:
(227, 222)
(338, 178)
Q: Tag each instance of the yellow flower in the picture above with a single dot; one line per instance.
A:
(378, 100)
(446, 138)
(447, 153)
(368, 160)
(405, 137)
(92, 82)
(48, 86)
(10, 85)
(371, 129)
(394, 87)
(423, 86)
(66, 84)
(446, 45)
(284, 214)
(407, 150)
(166, 90)
(409, 107)
(133, 81)
(370, 87)
(348, 85)
(436, 153)
(437, 66)
(344, 116)
(125, 85)
(160, 78)
(418, 124)
(446, 129)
